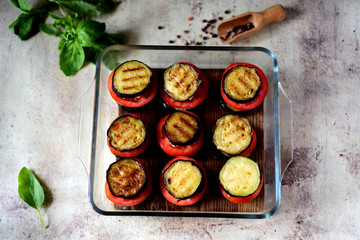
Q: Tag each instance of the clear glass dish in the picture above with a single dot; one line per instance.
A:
(98, 110)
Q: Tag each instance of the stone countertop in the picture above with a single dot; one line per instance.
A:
(317, 48)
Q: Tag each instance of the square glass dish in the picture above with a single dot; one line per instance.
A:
(273, 151)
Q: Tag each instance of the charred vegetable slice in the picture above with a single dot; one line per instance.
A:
(182, 179)
(181, 81)
(182, 128)
(127, 133)
(131, 79)
(126, 178)
(232, 134)
(242, 83)
(240, 176)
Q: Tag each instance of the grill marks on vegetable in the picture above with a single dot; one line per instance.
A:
(131, 78)
(181, 127)
(127, 133)
(242, 83)
(232, 134)
(181, 81)
(126, 178)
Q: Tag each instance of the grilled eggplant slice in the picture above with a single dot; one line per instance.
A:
(131, 79)
(182, 128)
(127, 133)
(183, 179)
(232, 134)
(126, 178)
(241, 84)
(181, 81)
(240, 177)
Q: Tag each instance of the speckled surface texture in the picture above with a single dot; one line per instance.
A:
(317, 47)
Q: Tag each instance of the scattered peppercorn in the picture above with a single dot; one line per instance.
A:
(171, 41)
(160, 27)
(178, 36)
(186, 31)
(220, 18)
(227, 12)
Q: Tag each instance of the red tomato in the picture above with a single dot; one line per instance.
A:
(249, 150)
(246, 199)
(183, 202)
(198, 97)
(258, 99)
(138, 101)
(132, 201)
(172, 150)
(135, 152)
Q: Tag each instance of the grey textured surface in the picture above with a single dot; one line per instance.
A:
(317, 47)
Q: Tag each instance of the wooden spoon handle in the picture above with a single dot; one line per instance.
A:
(273, 14)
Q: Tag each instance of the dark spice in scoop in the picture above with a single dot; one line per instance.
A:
(237, 30)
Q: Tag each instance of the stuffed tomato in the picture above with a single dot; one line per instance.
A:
(183, 181)
(240, 180)
(128, 136)
(132, 84)
(184, 86)
(128, 182)
(180, 134)
(233, 135)
(244, 86)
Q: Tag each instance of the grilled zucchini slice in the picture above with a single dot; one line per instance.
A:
(241, 84)
(183, 179)
(181, 81)
(182, 128)
(126, 178)
(127, 133)
(131, 79)
(240, 176)
(232, 134)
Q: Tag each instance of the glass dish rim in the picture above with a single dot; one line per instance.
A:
(247, 215)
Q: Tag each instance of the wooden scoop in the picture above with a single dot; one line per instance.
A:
(249, 23)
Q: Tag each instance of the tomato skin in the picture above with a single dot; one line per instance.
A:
(258, 99)
(138, 101)
(132, 201)
(135, 152)
(252, 146)
(198, 97)
(246, 199)
(172, 150)
(183, 202)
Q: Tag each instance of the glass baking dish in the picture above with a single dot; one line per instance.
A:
(274, 153)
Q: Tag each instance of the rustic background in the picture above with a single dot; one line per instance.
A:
(317, 47)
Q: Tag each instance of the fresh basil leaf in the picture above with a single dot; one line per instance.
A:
(78, 6)
(30, 190)
(26, 25)
(50, 29)
(61, 43)
(118, 38)
(72, 57)
(22, 5)
(89, 31)
(53, 16)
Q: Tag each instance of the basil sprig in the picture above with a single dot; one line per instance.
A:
(81, 40)
(30, 190)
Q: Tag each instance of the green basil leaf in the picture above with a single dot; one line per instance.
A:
(53, 16)
(50, 29)
(89, 31)
(61, 43)
(22, 5)
(78, 6)
(72, 57)
(30, 190)
(26, 25)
